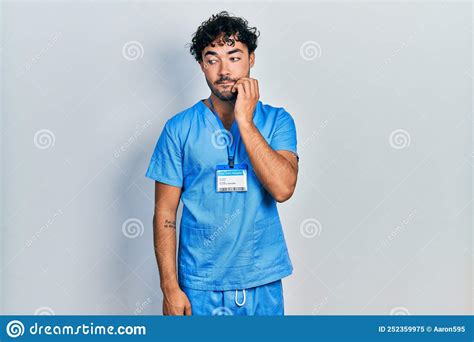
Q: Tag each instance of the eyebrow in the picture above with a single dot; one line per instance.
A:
(215, 53)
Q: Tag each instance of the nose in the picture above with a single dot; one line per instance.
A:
(224, 69)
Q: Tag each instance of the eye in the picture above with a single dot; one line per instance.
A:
(235, 59)
(211, 61)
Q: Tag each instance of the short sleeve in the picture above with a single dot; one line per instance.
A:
(284, 137)
(166, 162)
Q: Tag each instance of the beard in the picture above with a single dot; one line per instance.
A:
(227, 94)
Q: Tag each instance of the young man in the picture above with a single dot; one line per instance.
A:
(229, 158)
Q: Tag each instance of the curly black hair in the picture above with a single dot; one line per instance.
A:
(223, 25)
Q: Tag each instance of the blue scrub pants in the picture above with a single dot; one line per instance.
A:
(264, 300)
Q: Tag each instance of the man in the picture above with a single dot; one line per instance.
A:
(229, 159)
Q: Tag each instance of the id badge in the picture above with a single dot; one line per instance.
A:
(231, 179)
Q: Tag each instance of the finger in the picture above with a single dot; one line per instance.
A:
(234, 87)
(174, 310)
(178, 311)
(188, 310)
(247, 89)
(165, 309)
(236, 84)
(253, 89)
(257, 90)
(254, 86)
(240, 88)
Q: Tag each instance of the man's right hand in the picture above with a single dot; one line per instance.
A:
(176, 303)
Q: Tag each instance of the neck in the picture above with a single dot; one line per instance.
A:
(224, 109)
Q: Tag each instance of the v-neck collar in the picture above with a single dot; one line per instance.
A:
(214, 119)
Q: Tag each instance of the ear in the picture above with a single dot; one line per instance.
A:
(252, 59)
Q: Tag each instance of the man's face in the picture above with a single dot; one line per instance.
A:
(224, 65)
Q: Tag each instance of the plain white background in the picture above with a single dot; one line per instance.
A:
(381, 95)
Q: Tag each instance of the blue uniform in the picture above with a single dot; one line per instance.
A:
(227, 240)
(263, 300)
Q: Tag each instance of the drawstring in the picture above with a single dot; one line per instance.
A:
(236, 301)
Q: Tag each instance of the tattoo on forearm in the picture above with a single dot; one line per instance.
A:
(170, 224)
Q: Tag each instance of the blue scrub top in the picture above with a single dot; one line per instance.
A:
(227, 240)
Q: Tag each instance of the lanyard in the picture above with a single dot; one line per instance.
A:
(234, 144)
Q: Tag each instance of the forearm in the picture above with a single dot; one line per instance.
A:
(274, 171)
(164, 236)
